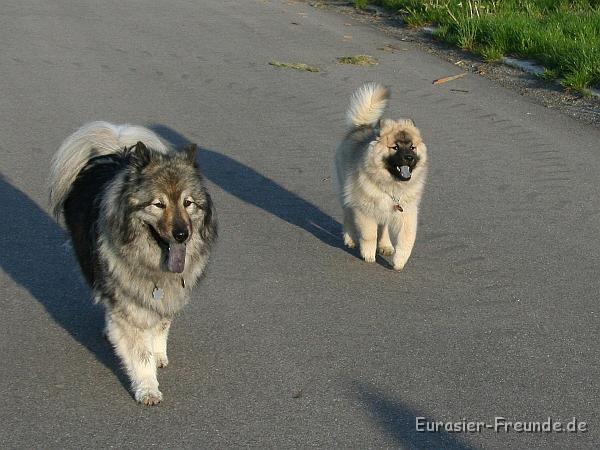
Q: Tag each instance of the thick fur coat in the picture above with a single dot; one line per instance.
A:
(381, 166)
(142, 224)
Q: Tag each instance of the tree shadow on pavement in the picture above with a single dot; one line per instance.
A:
(250, 186)
(34, 255)
(398, 420)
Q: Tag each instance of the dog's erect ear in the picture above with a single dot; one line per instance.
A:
(384, 126)
(191, 151)
(384, 129)
(139, 155)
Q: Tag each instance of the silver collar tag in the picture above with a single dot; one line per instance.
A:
(158, 293)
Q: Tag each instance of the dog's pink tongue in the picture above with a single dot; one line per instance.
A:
(176, 260)
(405, 172)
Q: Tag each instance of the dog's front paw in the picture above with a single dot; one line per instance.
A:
(348, 241)
(161, 360)
(386, 251)
(368, 255)
(369, 258)
(368, 250)
(148, 397)
(400, 261)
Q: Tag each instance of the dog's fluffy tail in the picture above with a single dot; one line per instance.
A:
(367, 104)
(91, 140)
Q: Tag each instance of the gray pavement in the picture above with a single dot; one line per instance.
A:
(292, 341)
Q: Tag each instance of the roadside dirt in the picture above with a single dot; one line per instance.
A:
(550, 94)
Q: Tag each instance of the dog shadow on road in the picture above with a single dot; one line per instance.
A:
(33, 254)
(398, 420)
(256, 189)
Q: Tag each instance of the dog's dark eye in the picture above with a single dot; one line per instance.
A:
(160, 205)
(187, 203)
(397, 147)
(412, 147)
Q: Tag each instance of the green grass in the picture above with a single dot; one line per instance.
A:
(562, 35)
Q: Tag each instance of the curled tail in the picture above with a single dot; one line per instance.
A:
(367, 104)
(92, 140)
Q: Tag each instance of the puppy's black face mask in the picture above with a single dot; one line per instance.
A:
(403, 160)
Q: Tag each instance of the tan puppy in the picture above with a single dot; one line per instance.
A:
(381, 166)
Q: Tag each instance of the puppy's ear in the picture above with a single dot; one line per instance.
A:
(385, 125)
(190, 152)
(138, 155)
(384, 131)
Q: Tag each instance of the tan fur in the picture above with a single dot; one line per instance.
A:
(367, 104)
(368, 192)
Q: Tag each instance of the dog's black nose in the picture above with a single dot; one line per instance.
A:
(180, 235)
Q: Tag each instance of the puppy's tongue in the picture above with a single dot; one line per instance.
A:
(176, 259)
(405, 172)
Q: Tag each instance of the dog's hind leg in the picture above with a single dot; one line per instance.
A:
(384, 245)
(349, 229)
(161, 334)
(404, 233)
(134, 346)
(367, 235)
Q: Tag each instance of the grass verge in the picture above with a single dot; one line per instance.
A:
(562, 35)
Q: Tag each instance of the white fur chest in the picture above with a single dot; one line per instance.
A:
(160, 293)
(368, 197)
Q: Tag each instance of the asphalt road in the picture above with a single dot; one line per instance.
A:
(292, 341)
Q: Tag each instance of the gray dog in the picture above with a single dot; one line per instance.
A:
(141, 224)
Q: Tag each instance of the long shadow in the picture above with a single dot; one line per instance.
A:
(252, 187)
(398, 420)
(33, 254)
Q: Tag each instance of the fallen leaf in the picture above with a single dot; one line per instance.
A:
(390, 48)
(296, 66)
(358, 60)
(446, 79)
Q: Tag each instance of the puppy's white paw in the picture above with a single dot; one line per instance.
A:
(161, 360)
(385, 251)
(348, 241)
(400, 261)
(368, 249)
(370, 258)
(148, 397)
